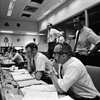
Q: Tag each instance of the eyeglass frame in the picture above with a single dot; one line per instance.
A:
(61, 52)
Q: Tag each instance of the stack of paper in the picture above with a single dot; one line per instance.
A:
(47, 88)
(29, 82)
(19, 71)
(32, 88)
(40, 92)
(39, 95)
(22, 77)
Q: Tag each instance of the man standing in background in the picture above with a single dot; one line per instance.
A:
(52, 36)
(86, 38)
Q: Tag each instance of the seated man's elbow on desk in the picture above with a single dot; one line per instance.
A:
(38, 75)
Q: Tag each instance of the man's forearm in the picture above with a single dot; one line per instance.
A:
(95, 49)
(55, 82)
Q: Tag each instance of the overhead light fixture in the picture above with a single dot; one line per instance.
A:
(31, 33)
(9, 13)
(41, 17)
(51, 9)
(41, 34)
(10, 8)
(57, 4)
(47, 12)
(3, 31)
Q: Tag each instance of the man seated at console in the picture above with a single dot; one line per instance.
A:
(37, 63)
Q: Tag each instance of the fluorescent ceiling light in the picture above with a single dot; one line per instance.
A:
(9, 13)
(41, 17)
(52, 8)
(11, 6)
(41, 34)
(30, 33)
(47, 12)
(3, 31)
(57, 4)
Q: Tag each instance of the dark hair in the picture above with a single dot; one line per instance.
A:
(50, 24)
(81, 17)
(66, 48)
(10, 48)
(14, 50)
(34, 39)
(31, 45)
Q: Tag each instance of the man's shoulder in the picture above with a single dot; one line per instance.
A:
(54, 30)
(41, 55)
(87, 29)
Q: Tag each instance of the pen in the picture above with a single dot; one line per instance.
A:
(13, 96)
(30, 85)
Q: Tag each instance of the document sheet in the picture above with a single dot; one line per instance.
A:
(22, 77)
(41, 95)
(29, 82)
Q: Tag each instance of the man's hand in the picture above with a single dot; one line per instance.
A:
(85, 53)
(28, 57)
(53, 66)
(50, 66)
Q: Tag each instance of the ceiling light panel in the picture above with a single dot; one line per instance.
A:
(10, 8)
(60, 2)
(4, 31)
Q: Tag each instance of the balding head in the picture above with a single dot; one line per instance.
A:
(63, 48)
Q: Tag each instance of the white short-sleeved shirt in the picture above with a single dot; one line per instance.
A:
(86, 38)
(18, 58)
(61, 39)
(75, 76)
(41, 62)
(52, 34)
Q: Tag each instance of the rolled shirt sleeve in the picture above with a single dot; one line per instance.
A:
(93, 38)
(40, 64)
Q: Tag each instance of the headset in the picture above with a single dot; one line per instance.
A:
(66, 46)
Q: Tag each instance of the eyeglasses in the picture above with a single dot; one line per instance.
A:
(60, 53)
(76, 22)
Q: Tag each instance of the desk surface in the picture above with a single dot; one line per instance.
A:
(13, 92)
(9, 87)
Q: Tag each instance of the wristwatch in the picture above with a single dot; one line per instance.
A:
(89, 52)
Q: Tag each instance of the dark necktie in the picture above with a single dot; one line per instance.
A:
(76, 41)
(34, 67)
(61, 67)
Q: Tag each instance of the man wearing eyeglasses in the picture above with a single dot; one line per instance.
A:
(73, 78)
(37, 63)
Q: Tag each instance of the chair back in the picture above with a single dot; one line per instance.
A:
(94, 73)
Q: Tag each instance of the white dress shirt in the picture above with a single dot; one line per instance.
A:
(76, 77)
(52, 34)
(87, 38)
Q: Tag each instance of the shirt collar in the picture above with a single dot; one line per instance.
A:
(82, 29)
(68, 62)
(35, 56)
